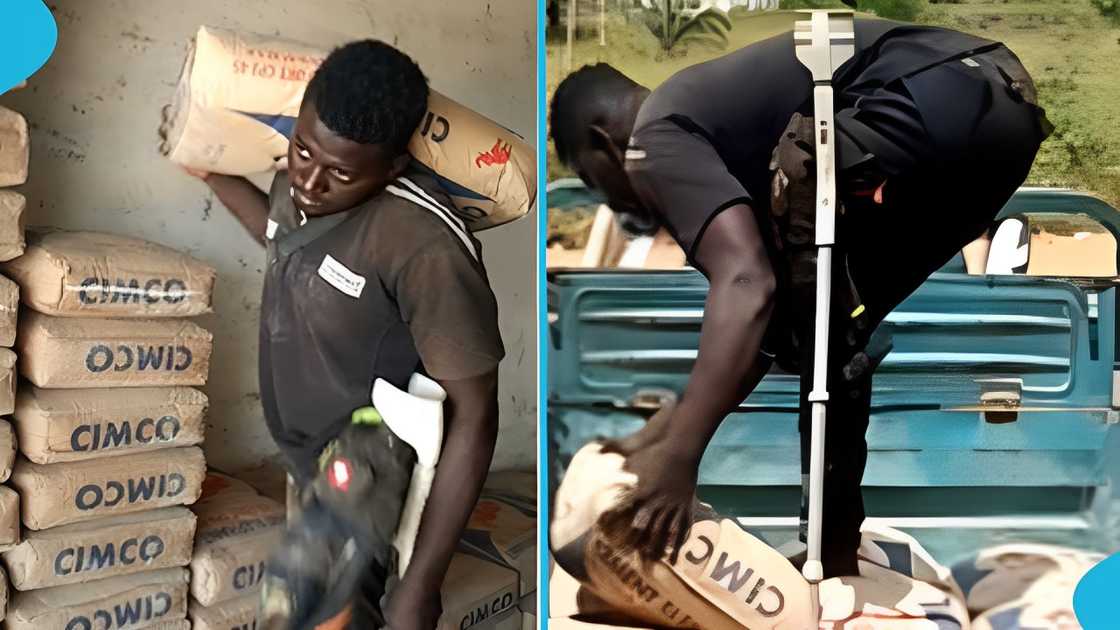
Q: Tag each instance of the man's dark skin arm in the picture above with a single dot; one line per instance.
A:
(666, 459)
(470, 432)
(242, 198)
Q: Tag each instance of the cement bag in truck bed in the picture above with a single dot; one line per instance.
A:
(83, 353)
(131, 602)
(7, 381)
(15, 148)
(239, 94)
(57, 494)
(237, 531)
(102, 548)
(94, 274)
(63, 425)
(725, 577)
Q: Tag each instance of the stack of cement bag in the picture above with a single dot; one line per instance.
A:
(237, 530)
(491, 583)
(108, 425)
(14, 158)
(725, 577)
(1023, 585)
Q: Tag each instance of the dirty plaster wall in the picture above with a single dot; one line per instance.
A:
(94, 110)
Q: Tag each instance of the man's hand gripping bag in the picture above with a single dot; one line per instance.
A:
(727, 578)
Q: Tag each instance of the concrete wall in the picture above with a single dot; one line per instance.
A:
(94, 111)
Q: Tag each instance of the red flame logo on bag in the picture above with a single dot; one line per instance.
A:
(498, 154)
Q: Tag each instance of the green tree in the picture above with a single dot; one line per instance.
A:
(671, 23)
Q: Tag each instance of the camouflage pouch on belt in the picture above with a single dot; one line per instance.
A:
(793, 199)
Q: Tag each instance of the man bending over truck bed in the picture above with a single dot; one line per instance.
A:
(935, 131)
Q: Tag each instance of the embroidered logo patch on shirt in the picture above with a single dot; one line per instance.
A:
(270, 230)
(338, 276)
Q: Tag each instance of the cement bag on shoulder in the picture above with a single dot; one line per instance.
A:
(63, 425)
(725, 577)
(143, 600)
(239, 95)
(237, 531)
(95, 274)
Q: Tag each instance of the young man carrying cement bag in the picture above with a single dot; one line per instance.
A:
(724, 577)
(239, 96)
(371, 277)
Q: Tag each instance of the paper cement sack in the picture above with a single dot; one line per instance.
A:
(178, 624)
(9, 517)
(7, 381)
(725, 577)
(237, 531)
(1004, 573)
(9, 305)
(102, 548)
(239, 94)
(3, 594)
(7, 450)
(13, 208)
(94, 274)
(504, 532)
(130, 602)
(475, 593)
(1046, 605)
(62, 352)
(15, 148)
(58, 494)
(62, 425)
(240, 613)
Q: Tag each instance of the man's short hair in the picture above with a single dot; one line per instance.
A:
(585, 97)
(369, 92)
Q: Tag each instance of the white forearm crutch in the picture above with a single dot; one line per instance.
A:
(823, 43)
(415, 416)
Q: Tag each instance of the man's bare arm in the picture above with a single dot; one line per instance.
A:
(736, 313)
(242, 198)
(658, 511)
(471, 430)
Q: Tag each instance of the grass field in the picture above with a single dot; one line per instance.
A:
(1070, 49)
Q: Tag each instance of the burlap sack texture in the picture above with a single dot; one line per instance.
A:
(102, 548)
(94, 274)
(62, 352)
(237, 530)
(141, 601)
(59, 494)
(61, 425)
(491, 171)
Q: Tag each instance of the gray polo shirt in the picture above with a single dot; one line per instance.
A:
(393, 286)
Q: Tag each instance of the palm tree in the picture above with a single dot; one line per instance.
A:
(672, 23)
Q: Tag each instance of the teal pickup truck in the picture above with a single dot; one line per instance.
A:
(993, 418)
